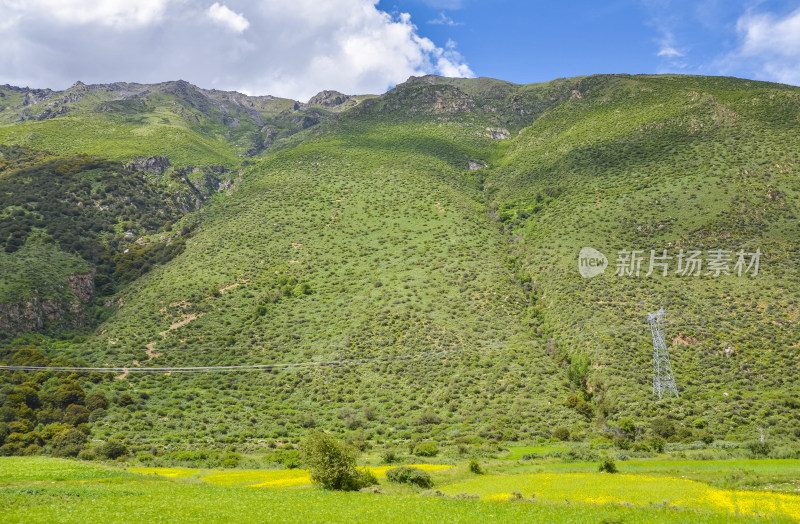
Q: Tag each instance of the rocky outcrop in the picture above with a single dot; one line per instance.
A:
(35, 313)
(497, 133)
(48, 113)
(430, 99)
(328, 99)
(152, 164)
(269, 135)
(305, 121)
(202, 184)
(82, 285)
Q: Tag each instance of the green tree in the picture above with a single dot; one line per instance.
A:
(96, 400)
(663, 427)
(68, 443)
(332, 464)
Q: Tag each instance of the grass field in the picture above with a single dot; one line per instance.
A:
(53, 490)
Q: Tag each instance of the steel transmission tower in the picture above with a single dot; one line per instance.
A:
(663, 380)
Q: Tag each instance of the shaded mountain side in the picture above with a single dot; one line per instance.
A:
(76, 229)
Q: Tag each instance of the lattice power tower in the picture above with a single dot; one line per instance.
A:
(663, 380)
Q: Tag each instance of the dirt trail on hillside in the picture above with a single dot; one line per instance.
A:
(187, 317)
(151, 351)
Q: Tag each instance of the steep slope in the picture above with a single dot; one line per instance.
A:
(667, 163)
(362, 244)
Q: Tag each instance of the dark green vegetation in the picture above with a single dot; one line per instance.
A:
(54, 414)
(427, 241)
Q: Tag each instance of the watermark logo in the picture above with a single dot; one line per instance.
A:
(591, 262)
(683, 263)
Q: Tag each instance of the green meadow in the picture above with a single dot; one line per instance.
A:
(48, 490)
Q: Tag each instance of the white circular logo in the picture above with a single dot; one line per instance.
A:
(591, 262)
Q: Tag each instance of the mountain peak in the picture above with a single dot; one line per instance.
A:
(328, 98)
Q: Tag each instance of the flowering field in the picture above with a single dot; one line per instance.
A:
(259, 478)
(639, 490)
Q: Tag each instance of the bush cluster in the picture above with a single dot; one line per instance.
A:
(409, 475)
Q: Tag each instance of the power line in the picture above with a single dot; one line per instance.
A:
(243, 367)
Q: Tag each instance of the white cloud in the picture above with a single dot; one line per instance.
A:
(449, 62)
(444, 20)
(669, 52)
(273, 47)
(770, 44)
(111, 13)
(227, 18)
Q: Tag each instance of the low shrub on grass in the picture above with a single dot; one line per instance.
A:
(426, 449)
(332, 464)
(389, 457)
(608, 466)
(474, 467)
(409, 475)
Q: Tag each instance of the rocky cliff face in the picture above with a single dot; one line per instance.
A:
(152, 164)
(66, 310)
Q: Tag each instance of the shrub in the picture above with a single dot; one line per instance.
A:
(409, 475)
(288, 458)
(758, 448)
(426, 449)
(76, 414)
(657, 444)
(125, 400)
(580, 454)
(475, 467)
(561, 433)
(112, 449)
(97, 414)
(662, 427)
(608, 466)
(332, 464)
(96, 400)
(231, 460)
(68, 443)
(389, 457)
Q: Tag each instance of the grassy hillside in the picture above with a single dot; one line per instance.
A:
(413, 257)
(655, 163)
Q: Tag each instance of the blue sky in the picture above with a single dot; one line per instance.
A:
(296, 48)
(537, 41)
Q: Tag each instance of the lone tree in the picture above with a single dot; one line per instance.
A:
(333, 464)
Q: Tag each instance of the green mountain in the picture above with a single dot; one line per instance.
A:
(405, 264)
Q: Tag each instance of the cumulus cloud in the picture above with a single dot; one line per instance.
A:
(110, 13)
(227, 18)
(771, 44)
(271, 47)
